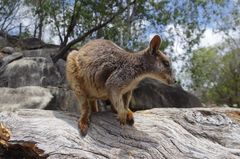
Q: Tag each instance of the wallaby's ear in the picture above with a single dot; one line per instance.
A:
(155, 44)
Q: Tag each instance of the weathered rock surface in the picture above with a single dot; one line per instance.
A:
(63, 99)
(3, 64)
(61, 66)
(29, 97)
(3, 41)
(157, 133)
(36, 71)
(10, 58)
(152, 94)
(31, 43)
(8, 50)
(1, 55)
(35, 97)
(44, 52)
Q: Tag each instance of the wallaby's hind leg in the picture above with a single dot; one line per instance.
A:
(83, 122)
(85, 109)
(126, 99)
(94, 105)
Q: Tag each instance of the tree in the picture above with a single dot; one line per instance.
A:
(126, 22)
(216, 75)
(40, 10)
(87, 17)
(8, 12)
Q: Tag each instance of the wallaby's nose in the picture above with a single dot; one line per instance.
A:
(174, 81)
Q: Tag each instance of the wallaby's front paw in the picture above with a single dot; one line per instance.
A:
(130, 118)
(83, 126)
(122, 118)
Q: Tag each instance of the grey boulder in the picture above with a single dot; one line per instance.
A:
(63, 99)
(3, 41)
(152, 94)
(33, 97)
(8, 50)
(31, 43)
(36, 71)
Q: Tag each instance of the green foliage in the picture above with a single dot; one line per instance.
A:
(8, 11)
(204, 61)
(129, 28)
(216, 77)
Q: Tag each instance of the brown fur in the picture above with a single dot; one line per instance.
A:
(103, 70)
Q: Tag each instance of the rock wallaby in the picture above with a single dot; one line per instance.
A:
(102, 70)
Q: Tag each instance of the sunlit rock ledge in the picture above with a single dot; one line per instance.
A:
(157, 133)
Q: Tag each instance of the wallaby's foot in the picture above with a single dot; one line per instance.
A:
(130, 118)
(122, 116)
(83, 126)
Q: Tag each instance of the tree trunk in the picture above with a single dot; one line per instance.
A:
(40, 26)
(35, 31)
(41, 18)
(157, 133)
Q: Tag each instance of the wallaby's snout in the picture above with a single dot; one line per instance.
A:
(172, 81)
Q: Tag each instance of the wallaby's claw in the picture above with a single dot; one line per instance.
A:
(121, 123)
(83, 126)
(130, 119)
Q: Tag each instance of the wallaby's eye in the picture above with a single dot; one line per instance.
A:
(166, 63)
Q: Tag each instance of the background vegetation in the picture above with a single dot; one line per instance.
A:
(213, 73)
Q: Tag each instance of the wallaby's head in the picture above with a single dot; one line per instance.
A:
(160, 63)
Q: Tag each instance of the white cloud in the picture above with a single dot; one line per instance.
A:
(211, 38)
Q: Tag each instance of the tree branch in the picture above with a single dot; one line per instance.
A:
(57, 27)
(72, 24)
(64, 50)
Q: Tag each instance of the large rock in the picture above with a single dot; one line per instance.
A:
(61, 66)
(44, 52)
(8, 40)
(3, 42)
(3, 64)
(2, 55)
(10, 58)
(152, 94)
(63, 99)
(50, 98)
(36, 71)
(157, 133)
(24, 97)
(31, 43)
(8, 50)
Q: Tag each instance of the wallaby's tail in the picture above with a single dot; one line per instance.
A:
(71, 67)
